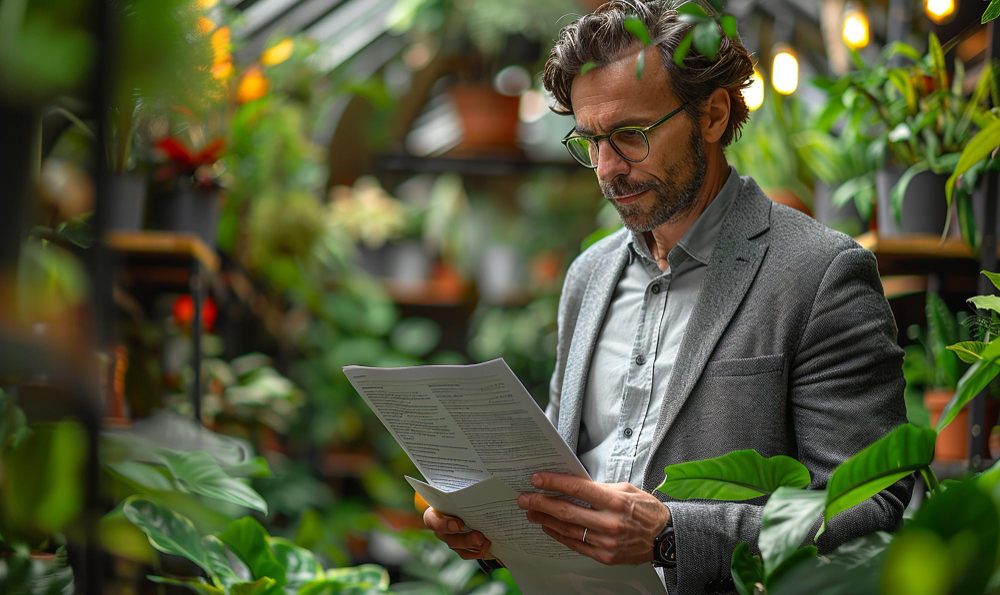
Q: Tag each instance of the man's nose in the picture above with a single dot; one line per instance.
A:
(609, 162)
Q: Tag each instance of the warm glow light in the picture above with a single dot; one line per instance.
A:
(222, 70)
(785, 72)
(754, 94)
(855, 31)
(939, 10)
(278, 53)
(207, 3)
(220, 40)
(252, 86)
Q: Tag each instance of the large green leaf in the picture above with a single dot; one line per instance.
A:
(367, 578)
(142, 474)
(739, 475)
(43, 490)
(986, 302)
(979, 146)
(707, 39)
(248, 540)
(198, 585)
(636, 27)
(942, 330)
(168, 531)
(786, 520)
(993, 277)
(300, 564)
(682, 49)
(950, 545)
(217, 562)
(853, 568)
(796, 560)
(881, 464)
(968, 351)
(196, 471)
(747, 570)
(972, 383)
(261, 586)
(899, 190)
(992, 11)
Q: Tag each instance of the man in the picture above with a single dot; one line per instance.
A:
(716, 320)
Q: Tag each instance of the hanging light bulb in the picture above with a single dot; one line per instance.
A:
(940, 11)
(754, 94)
(855, 29)
(785, 71)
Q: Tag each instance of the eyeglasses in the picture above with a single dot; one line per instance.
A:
(628, 141)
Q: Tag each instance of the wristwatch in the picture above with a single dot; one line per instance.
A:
(664, 550)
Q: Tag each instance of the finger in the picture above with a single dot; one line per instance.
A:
(571, 530)
(473, 541)
(438, 522)
(580, 488)
(599, 554)
(566, 511)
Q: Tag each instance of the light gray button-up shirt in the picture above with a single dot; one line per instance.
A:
(635, 351)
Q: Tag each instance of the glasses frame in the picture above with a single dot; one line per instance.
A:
(599, 137)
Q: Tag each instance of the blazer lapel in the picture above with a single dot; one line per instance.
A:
(733, 266)
(589, 323)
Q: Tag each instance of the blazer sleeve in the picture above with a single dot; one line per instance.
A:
(845, 392)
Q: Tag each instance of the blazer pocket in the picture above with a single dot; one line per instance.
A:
(745, 366)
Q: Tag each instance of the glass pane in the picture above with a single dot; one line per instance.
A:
(631, 144)
(582, 150)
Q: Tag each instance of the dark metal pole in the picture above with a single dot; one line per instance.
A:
(197, 298)
(988, 261)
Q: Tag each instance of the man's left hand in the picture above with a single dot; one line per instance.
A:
(620, 526)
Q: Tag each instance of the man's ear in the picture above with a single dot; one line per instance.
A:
(715, 118)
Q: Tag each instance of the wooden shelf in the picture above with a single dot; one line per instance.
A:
(920, 254)
(164, 245)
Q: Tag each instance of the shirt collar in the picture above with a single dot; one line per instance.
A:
(699, 240)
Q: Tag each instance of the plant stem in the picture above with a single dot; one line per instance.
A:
(932, 480)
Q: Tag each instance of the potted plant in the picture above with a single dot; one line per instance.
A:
(766, 152)
(916, 121)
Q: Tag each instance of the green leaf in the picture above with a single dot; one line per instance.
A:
(167, 531)
(993, 277)
(797, 558)
(13, 423)
(716, 4)
(786, 520)
(248, 540)
(937, 61)
(986, 302)
(196, 471)
(359, 579)
(899, 47)
(148, 476)
(707, 39)
(728, 23)
(881, 464)
(636, 27)
(416, 336)
(300, 564)
(198, 585)
(969, 351)
(260, 586)
(682, 49)
(586, 67)
(950, 545)
(900, 78)
(967, 224)
(972, 383)
(78, 232)
(992, 11)
(747, 570)
(217, 562)
(899, 190)
(979, 147)
(255, 467)
(640, 64)
(692, 12)
(942, 330)
(739, 475)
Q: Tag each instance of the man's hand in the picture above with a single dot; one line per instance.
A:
(620, 526)
(469, 545)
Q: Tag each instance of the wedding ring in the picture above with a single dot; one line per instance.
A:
(584, 539)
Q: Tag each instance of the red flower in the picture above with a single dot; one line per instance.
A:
(186, 161)
(184, 312)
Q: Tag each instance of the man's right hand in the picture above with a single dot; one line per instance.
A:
(448, 529)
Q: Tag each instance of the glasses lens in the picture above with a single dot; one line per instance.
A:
(631, 144)
(583, 151)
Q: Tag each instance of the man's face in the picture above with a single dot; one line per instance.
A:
(662, 187)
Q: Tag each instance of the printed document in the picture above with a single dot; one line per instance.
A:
(477, 436)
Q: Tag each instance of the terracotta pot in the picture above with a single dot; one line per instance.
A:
(953, 443)
(489, 119)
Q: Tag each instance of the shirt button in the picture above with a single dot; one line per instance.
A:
(628, 432)
(655, 288)
(639, 360)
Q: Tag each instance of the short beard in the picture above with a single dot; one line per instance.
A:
(672, 201)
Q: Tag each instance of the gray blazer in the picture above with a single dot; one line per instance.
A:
(791, 349)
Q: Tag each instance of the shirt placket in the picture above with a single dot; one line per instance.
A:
(639, 378)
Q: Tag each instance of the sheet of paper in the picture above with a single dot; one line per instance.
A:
(538, 563)
(477, 436)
